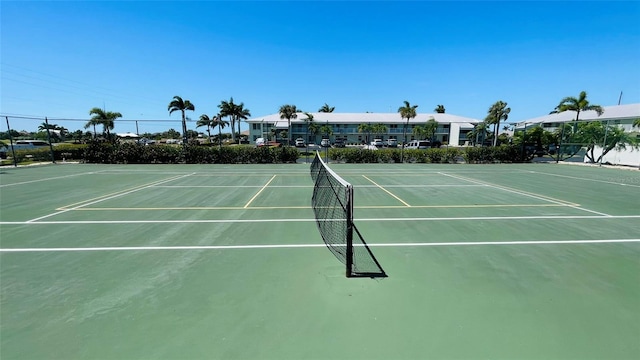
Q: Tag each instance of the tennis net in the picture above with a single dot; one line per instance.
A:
(332, 203)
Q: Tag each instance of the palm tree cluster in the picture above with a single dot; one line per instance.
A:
(235, 112)
(497, 112)
(177, 104)
(288, 112)
(104, 118)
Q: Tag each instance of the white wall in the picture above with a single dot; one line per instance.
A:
(629, 157)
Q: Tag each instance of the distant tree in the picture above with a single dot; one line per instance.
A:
(596, 134)
(105, 118)
(406, 112)
(308, 120)
(326, 108)
(426, 131)
(44, 126)
(577, 104)
(284, 134)
(430, 128)
(497, 112)
(636, 123)
(478, 134)
(177, 104)
(221, 123)
(326, 130)
(228, 109)
(172, 134)
(205, 120)
(288, 112)
(314, 129)
(365, 128)
(439, 109)
(379, 129)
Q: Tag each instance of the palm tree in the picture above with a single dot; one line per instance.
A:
(326, 108)
(430, 129)
(496, 113)
(478, 133)
(636, 123)
(106, 118)
(236, 112)
(221, 124)
(379, 129)
(578, 104)
(313, 129)
(92, 123)
(288, 112)
(439, 109)
(205, 120)
(177, 104)
(44, 126)
(406, 112)
(228, 109)
(365, 129)
(241, 114)
(326, 130)
(308, 120)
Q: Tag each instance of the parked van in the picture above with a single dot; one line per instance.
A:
(22, 145)
(418, 144)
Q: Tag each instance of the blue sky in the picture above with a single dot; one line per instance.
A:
(59, 59)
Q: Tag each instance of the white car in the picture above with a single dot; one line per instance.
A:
(418, 144)
(391, 143)
(377, 142)
(300, 142)
(325, 143)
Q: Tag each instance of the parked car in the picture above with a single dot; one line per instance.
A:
(340, 143)
(325, 143)
(418, 144)
(300, 142)
(391, 143)
(377, 142)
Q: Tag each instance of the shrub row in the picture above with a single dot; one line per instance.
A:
(471, 155)
(131, 153)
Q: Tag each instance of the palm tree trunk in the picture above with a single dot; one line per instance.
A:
(184, 129)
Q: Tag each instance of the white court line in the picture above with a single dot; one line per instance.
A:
(258, 193)
(51, 178)
(107, 198)
(311, 186)
(485, 218)
(298, 246)
(539, 197)
(233, 186)
(584, 179)
(387, 191)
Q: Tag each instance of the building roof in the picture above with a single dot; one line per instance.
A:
(617, 112)
(359, 118)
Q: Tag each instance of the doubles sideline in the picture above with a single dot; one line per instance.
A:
(303, 246)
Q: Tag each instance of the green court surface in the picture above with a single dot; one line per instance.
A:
(534, 261)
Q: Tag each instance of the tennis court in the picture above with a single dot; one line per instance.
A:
(528, 261)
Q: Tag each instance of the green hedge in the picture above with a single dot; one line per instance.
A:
(472, 155)
(131, 153)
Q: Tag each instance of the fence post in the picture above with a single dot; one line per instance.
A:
(53, 158)
(13, 152)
